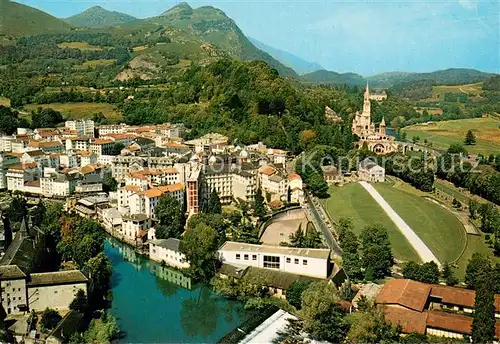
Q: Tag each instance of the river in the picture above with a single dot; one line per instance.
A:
(153, 303)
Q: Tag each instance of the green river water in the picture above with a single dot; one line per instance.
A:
(155, 304)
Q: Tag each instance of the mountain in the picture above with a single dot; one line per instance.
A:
(298, 64)
(212, 25)
(452, 76)
(327, 77)
(98, 17)
(21, 20)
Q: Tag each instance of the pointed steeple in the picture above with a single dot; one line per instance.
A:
(24, 228)
(367, 91)
(382, 124)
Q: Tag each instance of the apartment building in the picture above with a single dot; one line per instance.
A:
(144, 202)
(83, 127)
(167, 251)
(101, 146)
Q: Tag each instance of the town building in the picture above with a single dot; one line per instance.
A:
(167, 251)
(332, 175)
(300, 261)
(377, 140)
(135, 227)
(369, 171)
(83, 127)
(145, 201)
(101, 146)
(431, 309)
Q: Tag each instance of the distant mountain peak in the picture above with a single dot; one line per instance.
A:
(181, 9)
(99, 17)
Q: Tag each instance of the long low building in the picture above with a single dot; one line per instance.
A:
(431, 309)
(312, 262)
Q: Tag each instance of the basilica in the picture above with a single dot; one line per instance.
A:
(377, 140)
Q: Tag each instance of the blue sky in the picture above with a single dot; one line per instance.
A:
(365, 37)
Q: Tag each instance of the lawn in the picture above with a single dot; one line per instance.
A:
(84, 46)
(453, 193)
(475, 243)
(353, 201)
(442, 134)
(438, 228)
(4, 101)
(80, 110)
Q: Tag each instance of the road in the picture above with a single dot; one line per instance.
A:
(418, 245)
(318, 218)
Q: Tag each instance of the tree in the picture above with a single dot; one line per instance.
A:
(199, 245)
(448, 275)
(101, 330)
(474, 267)
(80, 303)
(18, 209)
(370, 326)
(346, 292)
(483, 322)
(470, 138)
(297, 239)
(100, 270)
(456, 203)
(50, 318)
(109, 184)
(317, 185)
(323, 317)
(171, 218)
(259, 208)
(457, 148)
(117, 148)
(294, 293)
(214, 205)
(37, 214)
(377, 252)
(45, 118)
(350, 245)
(473, 209)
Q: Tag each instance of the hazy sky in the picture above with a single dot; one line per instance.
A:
(365, 37)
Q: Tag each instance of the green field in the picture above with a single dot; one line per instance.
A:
(442, 134)
(4, 101)
(438, 228)
(353, 201)
(470, 89)
(80, 110)
(83, 46)
(475, 243)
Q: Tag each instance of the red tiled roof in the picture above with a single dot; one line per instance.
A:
(450, 322)
(35, 183)
(294, 176)
(268, 170)
(102, 141)
(459, 296)
(409, 320)
(406, 293)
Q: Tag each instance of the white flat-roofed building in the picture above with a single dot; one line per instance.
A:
(167, 251)
(369, 171)
(312, 262)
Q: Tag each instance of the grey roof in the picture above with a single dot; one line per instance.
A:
(92, 179)
(21, 252)
(232, 270)
(9, 272)
(57, 277)
(276, 178)
(274, 278)
(170, 243)
(367, 164)
(320, 253)
(330, 170)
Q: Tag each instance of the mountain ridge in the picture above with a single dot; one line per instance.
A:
(300, 65)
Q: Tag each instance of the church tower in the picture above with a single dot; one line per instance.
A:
(382, 127)
(366, 102)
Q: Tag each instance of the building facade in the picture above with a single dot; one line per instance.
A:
(300, 261)
(167, 251)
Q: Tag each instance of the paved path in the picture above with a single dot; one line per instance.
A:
(319, 222)
(419, 246)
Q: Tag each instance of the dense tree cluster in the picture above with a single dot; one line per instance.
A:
(377, 252)
(426, 272)
(171, 218)
(349, 244)
(10, 121)
(46, 118)
(483, 180)
(308, 238)
(413, 170)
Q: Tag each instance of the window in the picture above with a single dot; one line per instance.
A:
(296, 261)
(237, 256)
(304, 262)
(288, 260)
(254, 257)
(272, 262)
(245, 256)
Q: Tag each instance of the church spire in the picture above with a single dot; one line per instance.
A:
(383, 122)
(367, 91)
